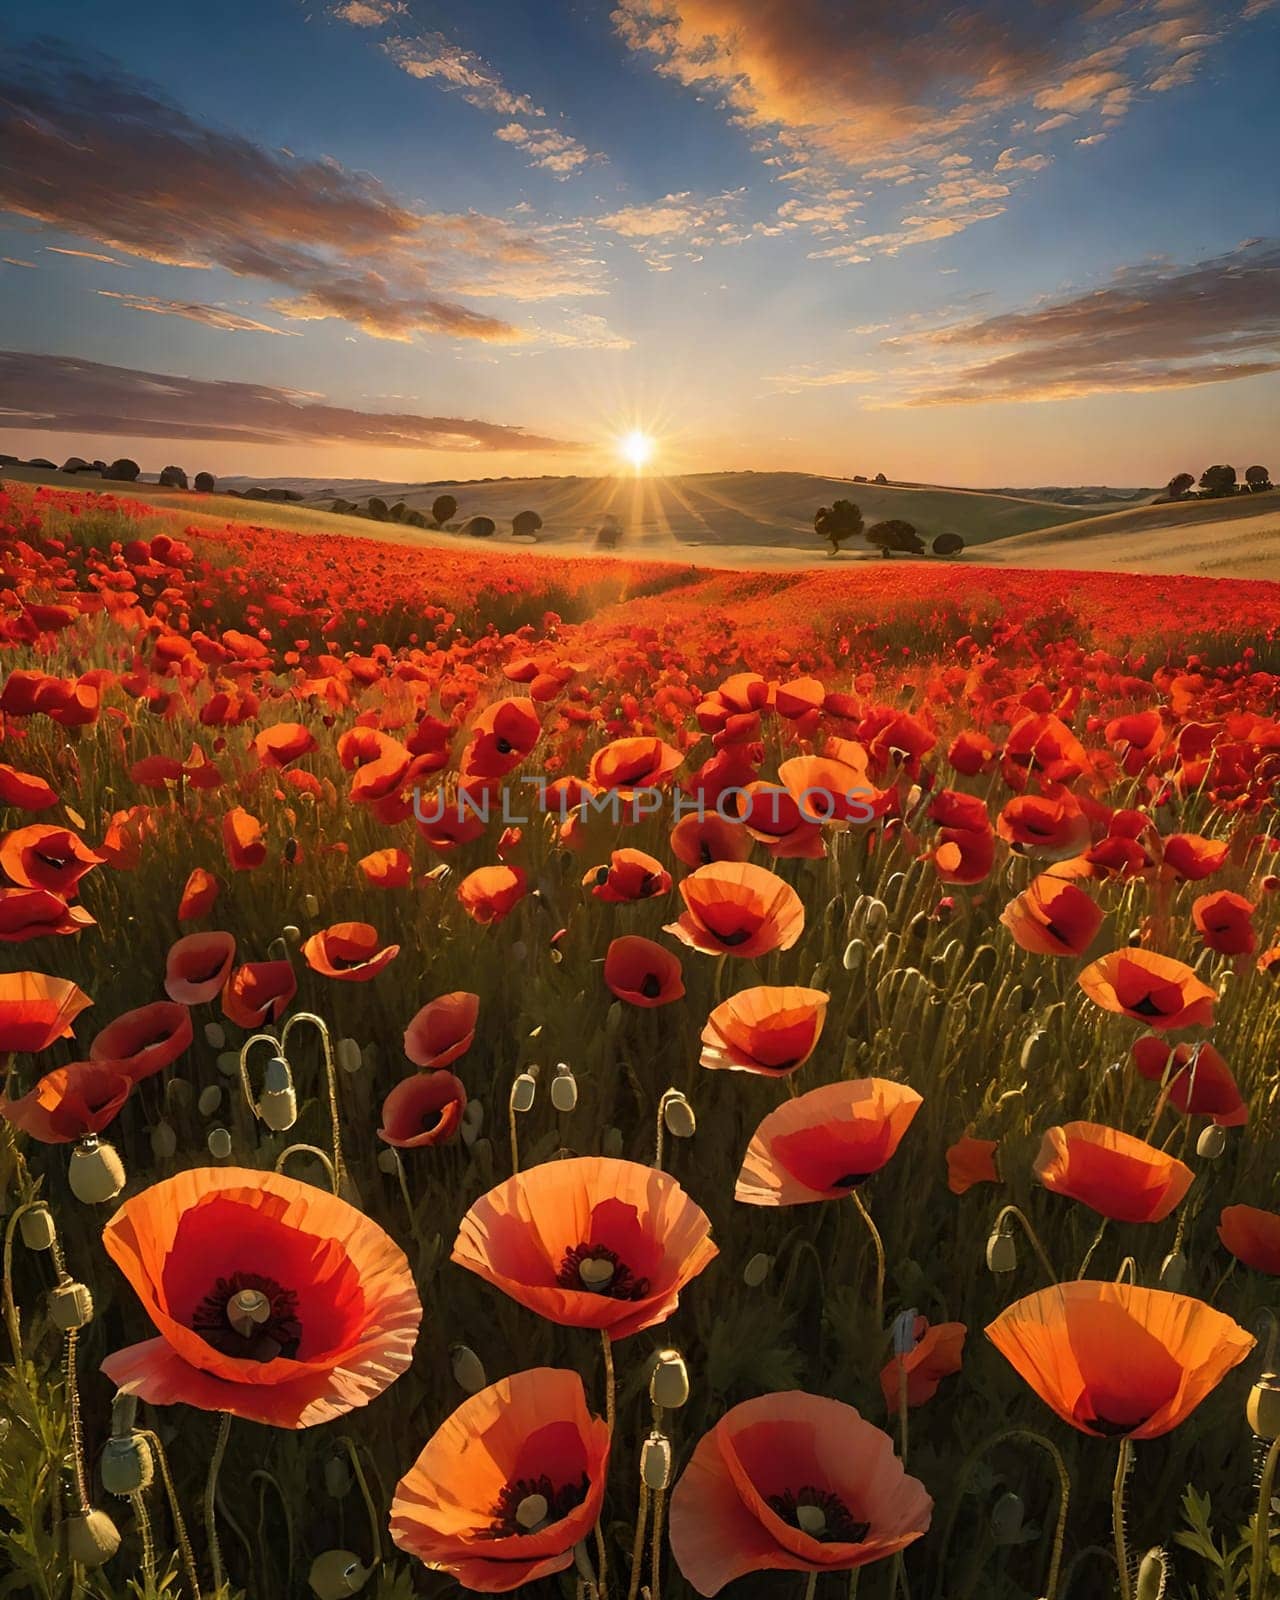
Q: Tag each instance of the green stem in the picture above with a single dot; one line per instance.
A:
(1262, 1525)
(1033, 1238)
(175, 1511)
(1117, 1520)
(210, 1498)
(878, 1242)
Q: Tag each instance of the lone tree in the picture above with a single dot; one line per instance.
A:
(205, 482)
(173, 478)
(837, 522)
(443, 509)
(377, 508)
(123, 471)
(480, 527)
(1180, 486)
(1258, 479)
(948, 544)
(1218, 482)
(895, 535)
(525, 525)
(880, 478)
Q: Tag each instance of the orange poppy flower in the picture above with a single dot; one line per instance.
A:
(36, 1009)
(144, 1041)
(936, 1353)
(767, 1030)
(508, 1485)
(31, 913)
(630, 875)
(774, 817)
(1111, 1172)
(1199, 1081)
(1189, 855)
(1052, 918)
(736, 908)
(242, 839)
(1224, 921)
(828, 790)
(423, 1109)
(588, 1242)
(642, 973)
(1150, 988)
(1113, 1359)
(387, 869)
(792, 1482)
(1269, 961)
(490, 893)
(443, 1030)
(197, 966)
(971, 1161)
(46, 857)
(70, 1103)
(198, 895)
(1252, 1236)
(25, 790)
(502, 736)
(630, 764)
(273, 1300)
(259, 992)
(348, 951)
(283, 743)
(822, 1145)
(697, 841)
(1047, 825)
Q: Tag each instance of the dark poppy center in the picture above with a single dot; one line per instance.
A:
(595, 1269)
(206, 975)
(250, 1318)
(738, 936)
(819, 1514)
(347, 963)
(651, 987)
(1146, 1007)
(50, 860)
(527, 1505)
(505, 747)
(851, 1180)
(1115, 1430)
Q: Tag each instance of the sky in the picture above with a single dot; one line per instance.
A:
(992, 242)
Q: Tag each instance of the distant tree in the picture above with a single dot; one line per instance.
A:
(525, 524)
(837, 522)
(1218, 482)
(173, 478)
(205, 482)
(377, 508)
(859, 477)
(443, 509)
(895, 535)
(948, 544)
(123, 471)
(416, 519)
(75, 464)
(346, 508)
(397, 511)
(609, 533)
(1258, 479)
(480, 527)
(1180, 486)
(880, 478)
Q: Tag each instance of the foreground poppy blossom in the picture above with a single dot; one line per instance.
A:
(501, 737)
(273, 1300)
(936, 1353)
(642, 973)
(259, 992)
(822, 1145)
(768, 1030)
(47, 857)
(1111, 1172)
(70, 1103)
(36, 1009)
(1252, 1236)
(197, 966)
(30, 913)
(1225, 923)
(588, 1242)
(25, 790)
(697, 841)
(443, 1030)
(1113, 1359)
(243, 841)
(423, 1109)
(629, 875)
(1190, 856)
(1198, 1080)
(971, 1161)
(198, 895)
(1150, 988)
(630, 764)
(792, 1482)
(348, 951)
(1052, 918)
(146, 1040)
(387, 869)
(736, 908)
(508, 1485)
(490, 893)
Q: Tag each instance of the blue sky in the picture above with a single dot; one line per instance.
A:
(987, 243)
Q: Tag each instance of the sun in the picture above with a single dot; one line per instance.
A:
(637, 448)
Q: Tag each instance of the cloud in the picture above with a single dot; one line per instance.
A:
(1010, 161)
(1153, 327)
(63, 395)
(13, 261)
(433, 56)
(193, 311)
(369, 13)
(546, 147)
(810, 377)
(84, 255)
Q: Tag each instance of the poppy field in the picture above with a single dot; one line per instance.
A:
(599, 1079)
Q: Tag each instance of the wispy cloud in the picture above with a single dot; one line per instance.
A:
(546, 147)
(193, 311)
(433, 56)
(84, 255)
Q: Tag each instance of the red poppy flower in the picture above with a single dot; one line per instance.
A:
(25, 790)
(822, 1145)
(387, 869)
(630, 764)
(1052, 918)
(36, 1010)
(70, 1103)
(243, 841)
(776, 818)
(736, 908)
(697, 841)
(144, 1041)
(1149, 988)
(792, 1482)
(259, 992)
(443, 1030)
(198, 895)
(1199, 1081)
(1252, 1236)
(936, 1353)
(30, 913)
(588, 1242)
(1115, 1359)
(348, 951)
(971, 1161)
(1111, 1172)
(283, 743)
(630, 875)
(964, 855)
(508, 1486)
(273, 1300)
(491, 893)
(197, 967)
(423, 1109)
(1188, 855)
(827, 790)
(1224, 921)
(767, 1030)
(1047, 825)
(972, 753)
(642, 973)
(45, 857)
(502, 736)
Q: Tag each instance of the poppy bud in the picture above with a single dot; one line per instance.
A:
(37, 1229)
(613, 1018)
(655, 1462)
(564, 1088)
(1006, 1519)
(337, 1573)
(291, 850)
(70, 1306)
(219, 1143)
(1151, 1576)
(347, 1054)
(210, 1099)
(468, 1369)
(1035, 1051)
(904, 1332)
(127, 1465)
(291, 934)
(669, 1381)
(757, 1269)
(164, 1142)
(229, 1063)
(310, 905)
(337, 1476)
(678, 1115)
(472, 1121)
(389, 1162)
(855, 955)
(1002, 1253)
(278, 1104)
(96, 1172)
(1263, 1409)
(89, 1538)
(215, 1035)
(1212, 1142)
(1173, 1272)
(523, 1091)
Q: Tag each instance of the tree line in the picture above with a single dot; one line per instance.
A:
(1217, 483)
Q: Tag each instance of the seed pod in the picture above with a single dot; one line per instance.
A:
(855, 956)
(215, 1035)
(164, 1142)
(210, 1099)
(96, 1172)
(124, 1414)
(655, 1461)
(127, 1465)
(89, 1538)
(669, 1381)
(291, 934)
(678, 1115)
(338, 1477)
(277, 950)
(1151, 1576)
(337, 1573)
(1002, 1253)
(219, 1143)
(468, 1369)
(278, 1103)
(36, 1227)
(1173, 1272)
(70, 1306)
(1006, 1519)
(1212, 1142)
(1263, 1409)
(347, 1054)
(523, 1091)
(310, 905)
(229, 1063)
(389, 1162)
(564, 1088)
(757, 1269)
